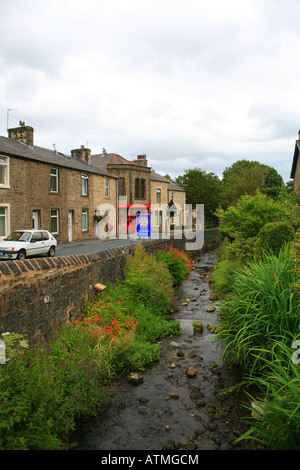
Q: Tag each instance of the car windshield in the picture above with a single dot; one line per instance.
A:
(19, 237)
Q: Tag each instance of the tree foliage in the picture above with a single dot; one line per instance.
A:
(247, 177)
(201, 188)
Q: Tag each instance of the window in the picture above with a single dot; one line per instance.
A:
(84, 219)
(4, 221)
(106, 187)
(84, 185)
(54, 180)
(54, 221)
(37, 237)
(121, 187)
(158, 195)
(4, 171)
(139, 188)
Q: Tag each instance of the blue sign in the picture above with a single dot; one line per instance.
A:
(143, 225)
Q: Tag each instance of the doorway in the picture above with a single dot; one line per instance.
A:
(36, 219)
(70, 226)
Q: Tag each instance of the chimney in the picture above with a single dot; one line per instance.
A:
(82, 153)
(23, 134)
(142, 160)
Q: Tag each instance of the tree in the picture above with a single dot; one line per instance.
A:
(247, 177)
(201, 188)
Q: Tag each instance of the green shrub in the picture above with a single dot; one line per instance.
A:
(274, 235)
(249, 215)
(224, 275)
(149, 281)
(177, 262)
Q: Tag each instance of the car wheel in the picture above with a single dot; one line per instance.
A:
(21, 254)
(51, 251)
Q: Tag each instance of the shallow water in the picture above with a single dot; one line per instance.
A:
(170, 409)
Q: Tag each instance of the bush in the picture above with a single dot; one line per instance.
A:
(250, 214)
(224, 275)
(149, 281)
(274, 235)
(177, 262)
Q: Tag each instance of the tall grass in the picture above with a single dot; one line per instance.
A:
(261, 310)
(277, 416)
(259, 323)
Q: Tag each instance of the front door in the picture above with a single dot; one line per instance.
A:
(35, 219)
(70, 225)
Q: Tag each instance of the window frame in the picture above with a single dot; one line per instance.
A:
(56, 177)
(84, 211)
(56, 217)
(122, 186)
(6, 180)
(158, 195)
(6, 217)
(140, 188)
(84, 185)
(106, 186)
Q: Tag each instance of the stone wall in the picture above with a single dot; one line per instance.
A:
(37, 294)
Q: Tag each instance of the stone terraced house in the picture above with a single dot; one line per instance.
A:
(66, 194)
(42, 188)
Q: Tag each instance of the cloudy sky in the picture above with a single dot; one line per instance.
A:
(190, 83)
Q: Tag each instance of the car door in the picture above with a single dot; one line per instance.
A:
(47, 242)
(37, 244)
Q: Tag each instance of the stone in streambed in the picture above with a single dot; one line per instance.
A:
(135, 378)
(198, 326)
(192, 372)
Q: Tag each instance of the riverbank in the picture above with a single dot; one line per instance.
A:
(187, 399)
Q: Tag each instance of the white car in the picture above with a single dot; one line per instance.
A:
(21, 244)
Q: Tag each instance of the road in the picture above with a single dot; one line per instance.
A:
(89, 246)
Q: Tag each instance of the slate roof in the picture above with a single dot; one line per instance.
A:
(104, 159)
(171, 185)
(15, 148)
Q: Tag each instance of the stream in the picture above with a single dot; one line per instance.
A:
(185, 400)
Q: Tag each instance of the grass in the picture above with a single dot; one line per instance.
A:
(258, 326)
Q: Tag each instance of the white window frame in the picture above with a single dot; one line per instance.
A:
(84, 212)
(56, 175)
(158, 195)
(5, 165)
(6, 220)
(56, 216)
(84, 185)
(106, 186)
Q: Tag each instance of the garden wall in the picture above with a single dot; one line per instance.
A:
(37, 294)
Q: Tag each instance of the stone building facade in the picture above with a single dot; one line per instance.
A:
(41, 188)
(140, 185)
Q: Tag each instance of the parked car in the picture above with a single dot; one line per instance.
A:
(21, 244)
